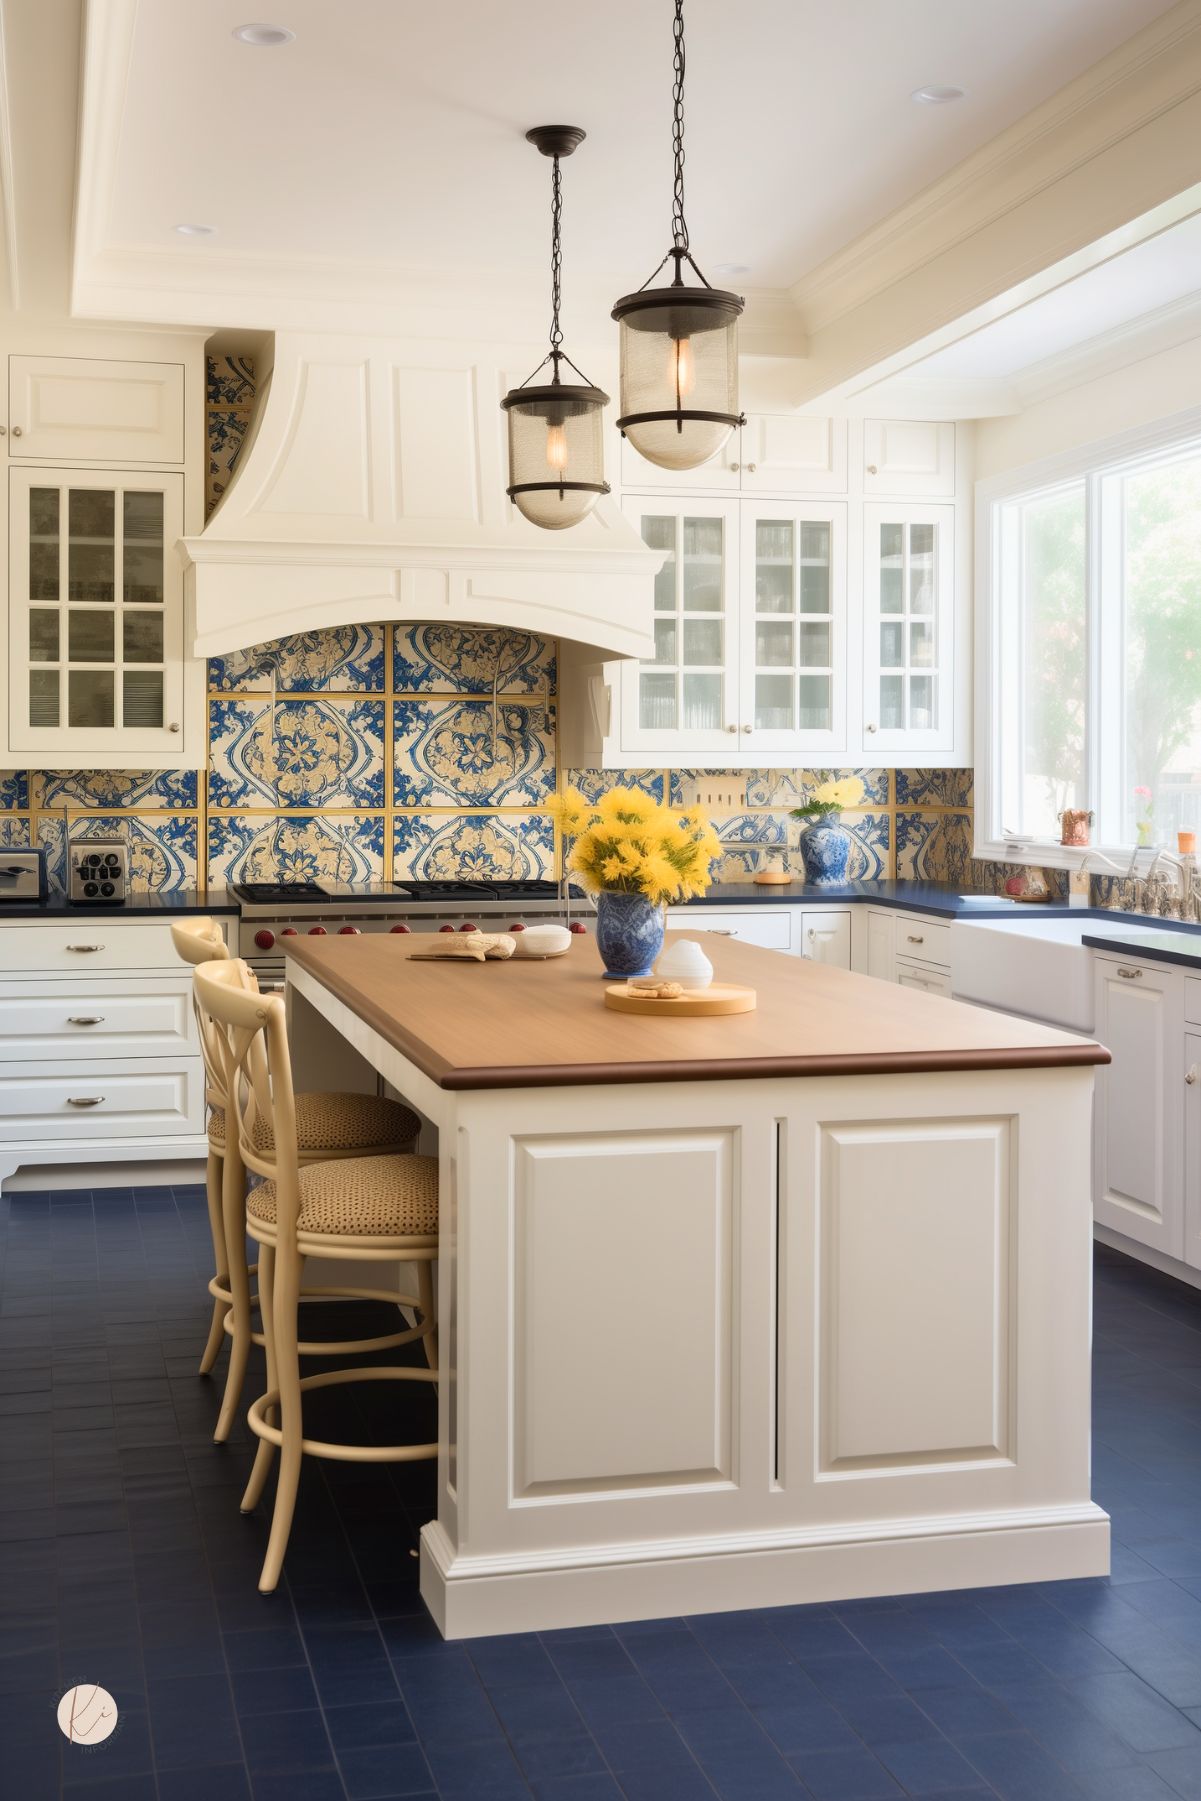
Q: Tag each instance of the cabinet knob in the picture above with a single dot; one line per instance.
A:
(1190, 1075)
(731, 728)
(16, 431)
(735, 465)
(752, 467)
(872, 470)
(3, 431)
(174, 726)
(748, 728)
(869, 728)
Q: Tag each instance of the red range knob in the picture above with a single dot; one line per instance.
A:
(446, 928)
(348, 931)
(469, 927)
(264, 939)
(400, 928)
(288, 932)
(316, 931)
(517, 926)
(577, 927)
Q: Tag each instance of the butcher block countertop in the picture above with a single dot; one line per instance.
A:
(527, 1024)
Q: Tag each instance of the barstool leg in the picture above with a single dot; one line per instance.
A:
(213, 1187)
(425, 1294)
(284, 1333)
(266, 1451)
(233, 1191)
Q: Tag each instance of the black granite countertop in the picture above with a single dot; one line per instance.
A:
(937, 898)
(138, 906)
(1170, 944)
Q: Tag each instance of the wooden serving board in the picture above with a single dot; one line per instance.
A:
(696, 1003)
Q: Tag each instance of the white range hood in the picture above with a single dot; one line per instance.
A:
(372, 487)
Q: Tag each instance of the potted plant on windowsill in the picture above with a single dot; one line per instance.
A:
(825, 845)
(635, 856)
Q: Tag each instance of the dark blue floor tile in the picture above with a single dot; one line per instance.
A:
(285, 1690)
(845, 1776)
(223, 1782)
(357, 1728)
(927, 1767)
(382, 1770)
(565, 1754)
(1181, 1769)
(642, 1745)
(292, 1785)
(1019, 1769)
(578, 1788)
(1143, 1718)
(288, 1742)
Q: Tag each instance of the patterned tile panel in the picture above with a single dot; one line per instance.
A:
(934, 787)
(229, 382)
(303, 848)
(782, 788)
(16, 831)
(440, 659)
(472, 753)
(345, 659)
(592, 783)
(163, 850)
(316, 753)
(14, 790)
(749, 838)
(110, 788)
(226, 435)
(480, 847)
(934, 847)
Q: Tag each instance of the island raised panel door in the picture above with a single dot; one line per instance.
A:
(826, 938)
(1137, 1123)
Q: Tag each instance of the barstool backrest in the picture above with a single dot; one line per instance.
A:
(199, 941)
(250, 1034)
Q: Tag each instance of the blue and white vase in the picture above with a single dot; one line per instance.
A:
(629, 933)
(825, 851)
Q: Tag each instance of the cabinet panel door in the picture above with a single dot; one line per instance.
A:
(82, 410)
(908, 628)
(826, 938)
(686, 698)
(96, 612)
(1192, 1149)
(881, 940)
(793, 453)
(792, 605)
(908, 458)
(718, 476)
(1137, 1122)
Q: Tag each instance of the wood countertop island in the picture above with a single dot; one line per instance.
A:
(791, 1305)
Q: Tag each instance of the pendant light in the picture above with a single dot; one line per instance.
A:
(679, 345)
(556, 434)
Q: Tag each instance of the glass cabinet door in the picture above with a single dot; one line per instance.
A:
(793, 602)
(96, 608)
(908, 586)
(687, 693)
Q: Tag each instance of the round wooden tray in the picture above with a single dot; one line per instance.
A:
(696, 1003)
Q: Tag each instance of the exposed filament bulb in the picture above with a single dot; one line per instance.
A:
(681, 367)
(556, 447)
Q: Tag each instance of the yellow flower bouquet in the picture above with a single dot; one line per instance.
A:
(831, 797)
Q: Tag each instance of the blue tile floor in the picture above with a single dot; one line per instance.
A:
(124, 1561)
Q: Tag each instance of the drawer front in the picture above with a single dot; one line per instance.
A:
(1192, 1000)
(771, 930)
(87, 948)
(924, 977)
(97, 1019)
(924, 940)
(126, 1098)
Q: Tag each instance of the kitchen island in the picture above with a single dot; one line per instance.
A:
(787, 1306)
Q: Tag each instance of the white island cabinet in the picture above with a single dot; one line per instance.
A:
(735, 1312)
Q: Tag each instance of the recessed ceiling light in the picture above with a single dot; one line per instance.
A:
(195, 231)
(936, 96)
(732, 268)
(264, 37)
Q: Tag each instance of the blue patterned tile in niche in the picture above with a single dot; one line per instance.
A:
(344, 659)
(305, 848)
(592, 783)
(117, 788)
(471, 753)
(745, 840)
(464, 659)
(934, 787)
(322, 753)
(15, 830)
(793, 787)
(934, 847)
(14, 790)
(162, 851)
(226, 433)
(229, 381)
(441, 847)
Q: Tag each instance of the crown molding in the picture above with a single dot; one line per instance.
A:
(1175, 323)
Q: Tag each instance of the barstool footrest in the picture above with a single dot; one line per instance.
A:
(317, 1447)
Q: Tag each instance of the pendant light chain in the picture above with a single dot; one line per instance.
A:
(679, 225)
(556, 262)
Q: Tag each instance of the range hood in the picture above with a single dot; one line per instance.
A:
(372, 487)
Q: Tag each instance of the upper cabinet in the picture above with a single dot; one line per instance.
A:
(908, 628)
(81, 410)
(785, 453)
(908, 458)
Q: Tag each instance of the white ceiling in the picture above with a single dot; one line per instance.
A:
(390, 132)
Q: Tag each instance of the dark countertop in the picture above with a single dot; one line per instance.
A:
(139, 906)
(937, 898)
(1181, 944)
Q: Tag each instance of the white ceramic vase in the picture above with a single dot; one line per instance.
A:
(686, 963)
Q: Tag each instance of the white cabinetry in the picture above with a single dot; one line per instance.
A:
(1192, 1145)
(911, 949)
(913, 457)
(826, 937)
(774, 453)
(83, 410)
(773, 928)
(925, 978)
(1137, 1183)
(909, 648)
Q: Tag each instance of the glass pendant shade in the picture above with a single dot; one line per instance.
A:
(556, 452)
(679, 373)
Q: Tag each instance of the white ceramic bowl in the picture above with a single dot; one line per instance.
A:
(542, 941)
(686, 963)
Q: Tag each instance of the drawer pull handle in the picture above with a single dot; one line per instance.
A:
(910, 939)
(85, 947)
(84, 1100)
(86, 1019)
(1130, 975)
(723, 932)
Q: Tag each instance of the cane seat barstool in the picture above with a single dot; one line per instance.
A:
(381, 1209)
(328, 1126)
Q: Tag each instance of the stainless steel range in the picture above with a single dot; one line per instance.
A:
(273, 912)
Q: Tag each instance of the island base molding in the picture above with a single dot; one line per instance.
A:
(474, 1597)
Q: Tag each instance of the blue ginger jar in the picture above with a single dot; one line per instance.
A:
(825, 852)
(629, 933)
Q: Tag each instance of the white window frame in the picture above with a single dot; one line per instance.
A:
(1092, 464)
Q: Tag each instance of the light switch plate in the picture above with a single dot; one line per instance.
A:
(721, 793)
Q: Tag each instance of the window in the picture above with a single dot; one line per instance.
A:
(1092, 615)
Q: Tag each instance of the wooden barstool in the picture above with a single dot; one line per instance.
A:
(329, 1126)
(376, 1209)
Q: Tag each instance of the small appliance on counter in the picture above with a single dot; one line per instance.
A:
(23, 876)
(97, 872)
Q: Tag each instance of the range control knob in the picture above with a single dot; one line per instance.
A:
(288, 932)
(469, 927)
(316, 931)
(446, 928)
(400, 928)
(577, 927)
(264, 939)
(348, 931)
(516, 926)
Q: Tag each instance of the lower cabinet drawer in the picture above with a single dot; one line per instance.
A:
(771, 930)
(924, 940)
(110, 1018)
(923, 977)
(86, 947)
(127, 1098)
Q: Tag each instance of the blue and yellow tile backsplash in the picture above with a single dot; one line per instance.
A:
(368, 752)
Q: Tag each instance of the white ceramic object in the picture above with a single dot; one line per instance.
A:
(686, 963)
(542, 941)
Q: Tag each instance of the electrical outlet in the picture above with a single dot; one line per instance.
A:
(719, 793)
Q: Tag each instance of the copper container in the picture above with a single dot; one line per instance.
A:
(1075, 822)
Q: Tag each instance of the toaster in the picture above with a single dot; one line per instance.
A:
(97, 872)
(23, 876)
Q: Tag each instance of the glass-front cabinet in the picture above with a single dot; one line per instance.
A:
(908, 628)
(96, 611)
(792, 665)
